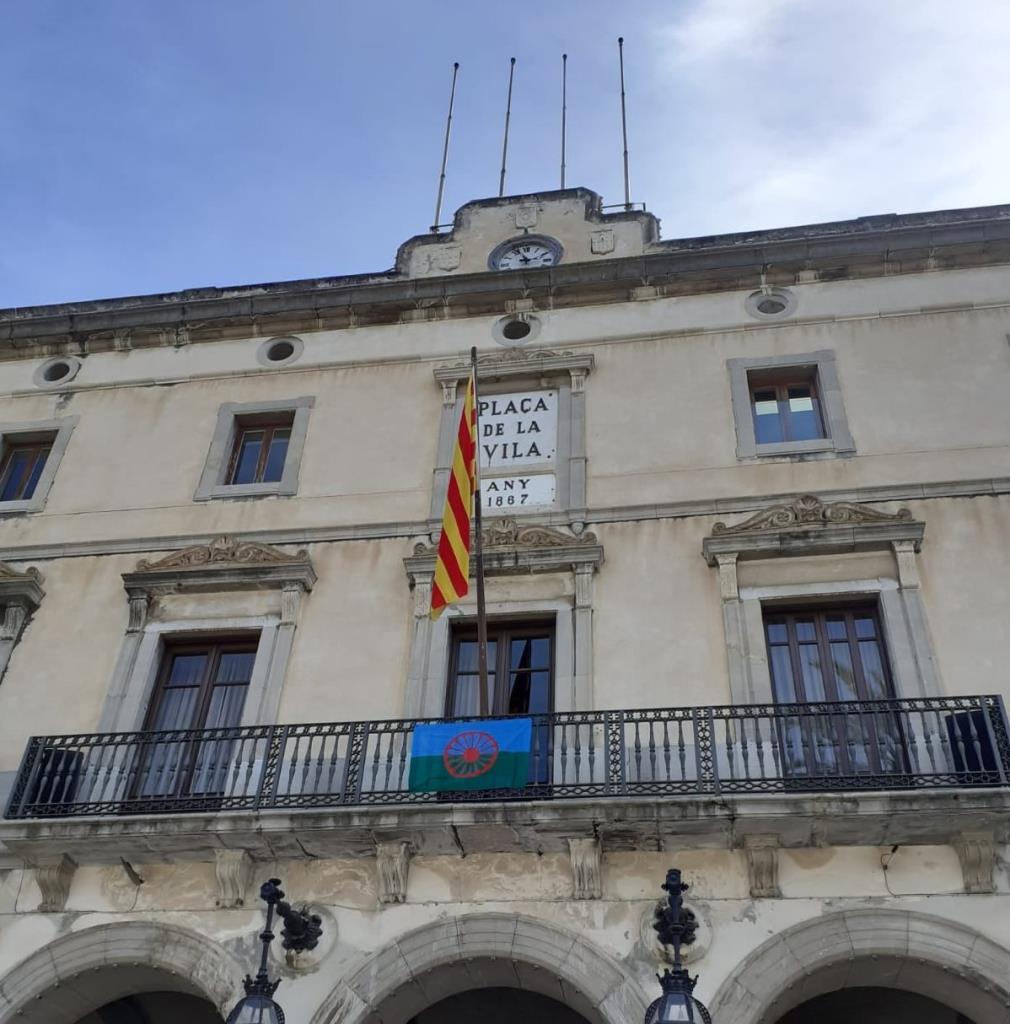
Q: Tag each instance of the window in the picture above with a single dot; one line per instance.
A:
(30, 454)
(21, 469)
(201, 685)
(833, 654)
(785, 409)
(260, 452)
(256, 449)
(520, 671)
(788, 405)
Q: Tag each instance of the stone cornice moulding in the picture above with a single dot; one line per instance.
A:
(22, 588)
(518, 363)
(808, 525)
(514, 548)
(225, 563)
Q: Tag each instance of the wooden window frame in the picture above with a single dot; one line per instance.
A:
(510, 629)
(42, 448)
(216, 646)
(269, 426)
(780, 383)
(819, 613)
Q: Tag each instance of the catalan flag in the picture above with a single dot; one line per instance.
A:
(452, 566)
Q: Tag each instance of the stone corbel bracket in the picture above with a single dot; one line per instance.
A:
(224, 564)
(808, 525)
(234, 869)
(977, 854)
(53, 877)
(586, 874)
(762, 852)
(392, 862)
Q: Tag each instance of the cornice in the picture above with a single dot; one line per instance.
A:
(740, 505)
(866, 247)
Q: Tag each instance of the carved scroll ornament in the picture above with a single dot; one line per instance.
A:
(223, 550)
(508, 533)
(809, 510)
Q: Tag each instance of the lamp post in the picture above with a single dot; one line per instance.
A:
(675, 926)
(300, 933)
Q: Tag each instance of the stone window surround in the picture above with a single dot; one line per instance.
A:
(21, 594)
(573, 637)
(906, 631)
(221, 566)
(212, 481)
(822, 363)
(531, 369)
(61, 428)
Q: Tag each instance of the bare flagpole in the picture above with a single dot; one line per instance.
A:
(564, 111)
(505, 143)
(624, 128)
(445, 150)
(479, 548)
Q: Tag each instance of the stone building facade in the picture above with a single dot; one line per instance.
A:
(747, 506)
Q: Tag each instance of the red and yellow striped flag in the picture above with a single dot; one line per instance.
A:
(452, 567)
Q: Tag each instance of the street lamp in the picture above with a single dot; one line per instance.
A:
(300, 933)
(675, 926)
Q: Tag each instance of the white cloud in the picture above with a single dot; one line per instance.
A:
(783, 112)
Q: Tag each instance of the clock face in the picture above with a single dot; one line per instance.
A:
(525, 254)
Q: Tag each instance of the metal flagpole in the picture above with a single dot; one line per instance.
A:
(624, 127)
(479, 547)
(505, 143)
(564, 111)
(445, 149)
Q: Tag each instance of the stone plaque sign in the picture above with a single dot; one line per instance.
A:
(506, 495)
(519, 429)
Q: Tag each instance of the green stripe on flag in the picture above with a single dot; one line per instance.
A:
(510, 770)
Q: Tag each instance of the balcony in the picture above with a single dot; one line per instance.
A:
(703, 752)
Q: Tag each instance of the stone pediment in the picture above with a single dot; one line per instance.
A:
(224, 563)
(808, 524)
(511, 546)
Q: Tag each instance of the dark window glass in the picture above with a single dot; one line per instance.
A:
(786, 410)
(201, 686)
(21, 469)
(259, 452)
(833, 654)
(520, 670)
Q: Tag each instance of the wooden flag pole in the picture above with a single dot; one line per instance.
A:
(479, 547)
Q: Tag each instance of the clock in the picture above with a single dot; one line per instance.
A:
(526, 253)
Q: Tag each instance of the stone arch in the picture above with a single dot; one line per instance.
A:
(455, 954)
(79, 972)
(933, 956)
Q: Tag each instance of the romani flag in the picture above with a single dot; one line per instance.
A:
(491, 753)
(452, 566)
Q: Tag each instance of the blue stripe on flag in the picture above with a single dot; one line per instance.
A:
(511, 734)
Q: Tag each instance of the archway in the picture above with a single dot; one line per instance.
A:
(93, 969)
(154, 1008)
(457, 955)
(873, 1005)
(897, 950)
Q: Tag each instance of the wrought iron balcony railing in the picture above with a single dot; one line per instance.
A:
(854, 745)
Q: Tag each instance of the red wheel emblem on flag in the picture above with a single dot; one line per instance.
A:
(469, 754)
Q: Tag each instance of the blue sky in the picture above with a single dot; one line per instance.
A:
(150, 146)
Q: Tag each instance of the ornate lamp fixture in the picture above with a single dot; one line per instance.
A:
(300, 933)
(676, 926)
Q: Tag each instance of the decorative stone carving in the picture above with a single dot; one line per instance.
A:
(53, 878)
(223, 549)
(586, 875)
(8, 572)
(508, 533)
(234, 870)
(809, 510)
(601, 242)
(975, 851)
(526, 216)
(763, 866)
(392, 861)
